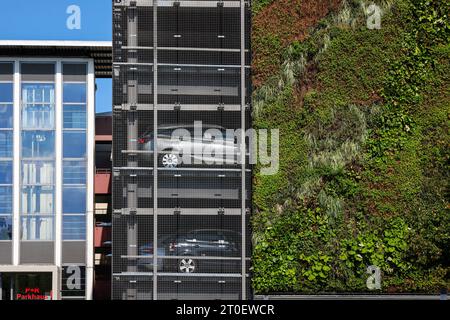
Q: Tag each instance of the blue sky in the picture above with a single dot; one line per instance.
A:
(46, 20)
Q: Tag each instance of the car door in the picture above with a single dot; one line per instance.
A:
(195, 146)
(216, 145)
(231, 149)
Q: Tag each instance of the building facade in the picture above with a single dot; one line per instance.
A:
(180, 214)
(47, 112)
(102, 232)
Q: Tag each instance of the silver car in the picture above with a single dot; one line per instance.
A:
(178, 143)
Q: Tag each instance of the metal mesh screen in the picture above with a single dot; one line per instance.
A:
(181, 194)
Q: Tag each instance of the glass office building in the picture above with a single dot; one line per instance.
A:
(181, 219)
(47, 110)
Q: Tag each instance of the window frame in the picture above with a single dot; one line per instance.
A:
(28, 218)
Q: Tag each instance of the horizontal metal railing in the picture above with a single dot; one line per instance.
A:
(102, 171)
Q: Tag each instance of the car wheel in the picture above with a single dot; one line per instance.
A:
(170, 160)
(187, 265)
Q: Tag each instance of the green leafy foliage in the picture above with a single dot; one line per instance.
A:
(258, 5)
(365, 155)
(385, 249)
(285, 258)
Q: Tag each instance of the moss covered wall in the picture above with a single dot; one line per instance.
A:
(364, 146)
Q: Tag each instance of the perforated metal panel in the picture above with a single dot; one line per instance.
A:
(181, 219)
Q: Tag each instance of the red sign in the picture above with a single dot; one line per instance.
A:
(33, 294)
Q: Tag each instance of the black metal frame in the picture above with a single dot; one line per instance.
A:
(176, 62)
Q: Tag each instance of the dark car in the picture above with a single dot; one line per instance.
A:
(146, 263)
(204, 243)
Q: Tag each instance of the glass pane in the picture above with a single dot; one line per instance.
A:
(5, 200)
(38, 172)
(74, 69)
(5, 228)
(74, 144)
(38, 144)
(6, 71)
(5, 172)
(38, 71)
(75, 116)
(6, 145)
(74, 200)
(38, 199)
(74, 172)
(6, 116)
(74, 72)
(74, 227)
(74, 92)
(38, 93)
(6, 92)
(38, 116)
(37, 228)
(34, 284)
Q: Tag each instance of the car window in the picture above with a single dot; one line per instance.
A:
(213, 134)
(188, 237)
(165, 132)
(227, 137)
(232, 236)
(210, 236)
(148, 132)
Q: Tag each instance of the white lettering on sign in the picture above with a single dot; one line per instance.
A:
(74, 19)
(74, 280)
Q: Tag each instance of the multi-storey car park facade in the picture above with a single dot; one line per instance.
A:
(47, 114)
(180, 230)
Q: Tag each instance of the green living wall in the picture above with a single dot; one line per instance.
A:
(364, 146)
